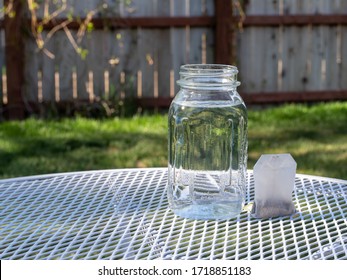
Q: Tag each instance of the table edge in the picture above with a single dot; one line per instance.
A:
(50, 175)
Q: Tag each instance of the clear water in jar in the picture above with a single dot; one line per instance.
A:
(207, 158)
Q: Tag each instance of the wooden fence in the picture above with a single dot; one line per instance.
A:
(294, 50)
(285, 51)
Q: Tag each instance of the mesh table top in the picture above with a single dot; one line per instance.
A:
(123, 214)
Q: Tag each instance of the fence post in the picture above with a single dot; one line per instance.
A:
(223, 32)
(14, 50)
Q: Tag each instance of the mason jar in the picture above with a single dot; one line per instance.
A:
(207, 161)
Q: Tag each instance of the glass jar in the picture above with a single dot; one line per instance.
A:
(207, 144)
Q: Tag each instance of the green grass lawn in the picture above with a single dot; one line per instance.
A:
(315, 135)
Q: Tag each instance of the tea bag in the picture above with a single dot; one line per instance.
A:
(274, 177)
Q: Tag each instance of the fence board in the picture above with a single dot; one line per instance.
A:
(48, 71)
(250, 67)
(343, 63)
(3, 94)
(258, 62)
(303, 59)
(96, 61)
(178, 37)
(343, 51)
(162, 61)
(163, 64)
(318, 62)
(65, 63)
(122, 60)
(295, 49)
(3, 97)
(245, 51)
(269, 78)
(146, 48)
(145, 51)
(82, 75)
(32, 67)
(331, 55)
(163, 8)
(196, 7)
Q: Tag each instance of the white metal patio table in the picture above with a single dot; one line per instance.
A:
(124, 214)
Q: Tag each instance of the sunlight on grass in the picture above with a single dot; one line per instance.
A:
(315, 135)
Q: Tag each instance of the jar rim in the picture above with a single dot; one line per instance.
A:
(208, 69)
(208, 76)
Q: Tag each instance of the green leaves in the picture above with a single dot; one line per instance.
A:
(82, 52)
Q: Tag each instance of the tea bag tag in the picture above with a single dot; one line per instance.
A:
(274, 179)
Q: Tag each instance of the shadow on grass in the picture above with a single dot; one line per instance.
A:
(316, 151)
(40, 155)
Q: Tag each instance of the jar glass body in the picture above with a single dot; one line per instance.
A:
(207, 144)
